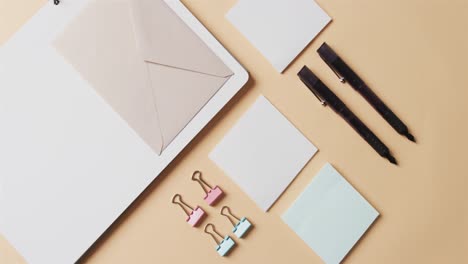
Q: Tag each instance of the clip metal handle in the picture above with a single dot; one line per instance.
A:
(223, 245)
(194, 216)
(213, 233)
(241, 227)
(182, 204)
(212, 195)
(197, 176)
(229, 215)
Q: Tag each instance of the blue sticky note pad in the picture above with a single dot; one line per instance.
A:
(225, 246)
(330, 215)
(242, 227)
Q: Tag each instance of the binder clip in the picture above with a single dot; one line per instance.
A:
(241, 226)
(56, 2)
(212, 195)
(224, 246)
(194, 216)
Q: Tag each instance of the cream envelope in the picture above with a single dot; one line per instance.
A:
(146, 63)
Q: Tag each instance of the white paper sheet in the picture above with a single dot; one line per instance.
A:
(263, 153)
(279, 29)
(330, 215)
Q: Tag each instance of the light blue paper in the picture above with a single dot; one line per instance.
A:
(330, 215)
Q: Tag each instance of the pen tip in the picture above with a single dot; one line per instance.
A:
(392, 159)
(410, 137)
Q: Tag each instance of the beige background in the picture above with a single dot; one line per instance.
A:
(414, 54)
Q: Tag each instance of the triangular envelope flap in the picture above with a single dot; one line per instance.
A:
(179, 96)
(100, 44)
(163, 38)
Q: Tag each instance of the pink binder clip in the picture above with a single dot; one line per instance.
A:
(212, 195)
(194, 216)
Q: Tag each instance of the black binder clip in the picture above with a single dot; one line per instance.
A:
(56, 2)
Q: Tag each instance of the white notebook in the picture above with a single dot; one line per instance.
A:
(71, 165)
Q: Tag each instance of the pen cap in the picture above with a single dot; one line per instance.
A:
(310, 80)
(326, 53)
(330, 57)
(313, 83)
(319, 89)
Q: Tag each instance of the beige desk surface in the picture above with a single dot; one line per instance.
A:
(413, 53)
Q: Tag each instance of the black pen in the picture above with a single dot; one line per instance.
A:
(327, 97)
(346, 74)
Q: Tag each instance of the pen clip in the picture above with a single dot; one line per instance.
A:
(327, 54)
(322, 102)
(341, 78)
(309, 79)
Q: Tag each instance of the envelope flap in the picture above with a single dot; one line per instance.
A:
(99, 43)
(163, 38)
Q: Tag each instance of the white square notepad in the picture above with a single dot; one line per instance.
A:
(330, 215)
(279, 29)
(263, 153)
